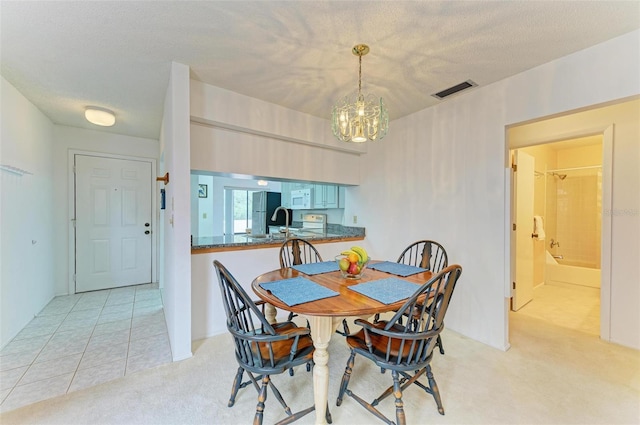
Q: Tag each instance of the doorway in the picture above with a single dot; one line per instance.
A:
(112, 216)
(597, 299)
(561, 255)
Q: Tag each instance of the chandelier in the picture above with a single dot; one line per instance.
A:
(357, 117)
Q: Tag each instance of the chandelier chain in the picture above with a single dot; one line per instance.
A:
(360, 75)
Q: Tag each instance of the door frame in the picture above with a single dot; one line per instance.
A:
(71, 199)
(606, 132)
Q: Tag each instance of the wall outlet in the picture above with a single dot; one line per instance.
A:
(355, 219)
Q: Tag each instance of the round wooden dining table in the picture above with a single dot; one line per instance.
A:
(326, 314)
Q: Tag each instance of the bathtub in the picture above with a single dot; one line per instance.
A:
(559, 273)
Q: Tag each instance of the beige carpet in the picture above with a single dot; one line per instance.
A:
(551, 375)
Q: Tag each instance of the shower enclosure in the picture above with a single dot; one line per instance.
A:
(573, 224)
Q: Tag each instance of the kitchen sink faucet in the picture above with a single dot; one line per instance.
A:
(286, 218)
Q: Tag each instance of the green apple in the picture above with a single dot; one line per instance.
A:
(343, 264)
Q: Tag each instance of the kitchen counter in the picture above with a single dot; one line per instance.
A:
(334, 233)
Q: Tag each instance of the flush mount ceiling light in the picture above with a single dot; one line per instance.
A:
(99, 116)
(357, 117)
(262, 183)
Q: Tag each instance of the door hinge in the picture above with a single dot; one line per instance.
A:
(514, 226)
(514, 167)
(73, 220)
(513, 286)
(74, 278)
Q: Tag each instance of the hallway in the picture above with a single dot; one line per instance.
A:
(78, 341)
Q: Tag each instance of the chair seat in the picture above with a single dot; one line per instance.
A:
(282, 349)
(380, 343)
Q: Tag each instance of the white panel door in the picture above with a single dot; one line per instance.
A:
(523, 198)
(113, 222)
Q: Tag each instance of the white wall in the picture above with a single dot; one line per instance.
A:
(72, 139)
(27, 246)
(440, 174)
(176, 225)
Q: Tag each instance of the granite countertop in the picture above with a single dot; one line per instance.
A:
(248, 241)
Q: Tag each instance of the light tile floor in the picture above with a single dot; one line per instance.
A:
(569, 306)
(82, 340)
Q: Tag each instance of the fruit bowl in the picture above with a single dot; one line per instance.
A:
(351, 269)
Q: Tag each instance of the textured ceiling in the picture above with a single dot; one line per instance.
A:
(65, 55)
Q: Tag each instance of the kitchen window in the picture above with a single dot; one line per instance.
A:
(237, 210)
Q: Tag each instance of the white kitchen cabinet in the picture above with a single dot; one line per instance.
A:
(325, 196)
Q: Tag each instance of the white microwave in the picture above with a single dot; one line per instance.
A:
(301, 199)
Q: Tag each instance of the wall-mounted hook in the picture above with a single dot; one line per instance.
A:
(164, 179)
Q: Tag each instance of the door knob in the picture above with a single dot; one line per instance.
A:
(147, 232)
(146, 224)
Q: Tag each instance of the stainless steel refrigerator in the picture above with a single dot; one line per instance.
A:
(264, 204)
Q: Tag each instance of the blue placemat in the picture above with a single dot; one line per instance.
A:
(317, 268)
(388, 290)
(397, 268)
(297, 290)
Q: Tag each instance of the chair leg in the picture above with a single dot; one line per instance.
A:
(397, 393)
(346, 327)
(346, 377)
(434, 390)
(278, 396)
(236, 386)
(262, 397)
(439, 344)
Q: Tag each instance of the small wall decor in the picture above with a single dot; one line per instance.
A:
(202, 191)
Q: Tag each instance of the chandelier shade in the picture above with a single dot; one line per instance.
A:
(358, 117)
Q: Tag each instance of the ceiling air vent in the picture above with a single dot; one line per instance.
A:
(455, 89)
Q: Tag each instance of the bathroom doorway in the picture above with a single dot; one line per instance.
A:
(549, 137)
(566, 194)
